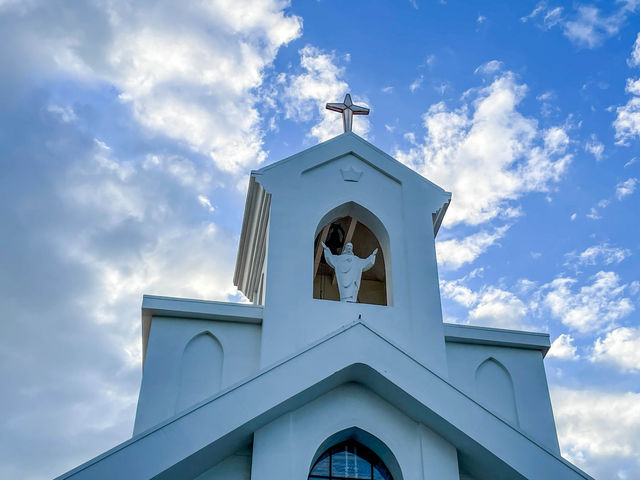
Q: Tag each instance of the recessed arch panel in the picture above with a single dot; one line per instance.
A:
(351, 222)
(495, 391)
(200, 370)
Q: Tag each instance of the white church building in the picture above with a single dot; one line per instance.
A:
(340, 368)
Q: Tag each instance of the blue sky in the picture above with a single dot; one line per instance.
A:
(128, 129)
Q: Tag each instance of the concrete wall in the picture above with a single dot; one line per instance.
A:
(235, 467)
(304, 190)
(288, 446)
(511, 382)
(199, 356)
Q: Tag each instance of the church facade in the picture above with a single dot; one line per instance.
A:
(301, 385)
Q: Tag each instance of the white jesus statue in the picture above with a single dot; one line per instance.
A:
(348, 268)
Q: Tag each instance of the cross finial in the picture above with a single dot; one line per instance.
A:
(348, 110)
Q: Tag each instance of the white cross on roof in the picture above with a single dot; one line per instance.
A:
(348, 110)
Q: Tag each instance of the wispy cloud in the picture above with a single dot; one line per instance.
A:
(594, 147)
(586, 25)
(626, 188)
(416, 84)
(602, 254)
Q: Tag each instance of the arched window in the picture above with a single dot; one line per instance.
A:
(352, 223)
(349, 460)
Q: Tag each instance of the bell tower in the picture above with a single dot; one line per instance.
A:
(343, 191)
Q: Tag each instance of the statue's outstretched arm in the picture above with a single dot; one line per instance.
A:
(328, 256)
(369, 261)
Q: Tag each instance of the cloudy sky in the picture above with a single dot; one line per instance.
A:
(128, 130)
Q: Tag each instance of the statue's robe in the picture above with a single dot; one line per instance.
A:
(348, 269)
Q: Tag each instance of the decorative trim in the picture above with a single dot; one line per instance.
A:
(351, 174)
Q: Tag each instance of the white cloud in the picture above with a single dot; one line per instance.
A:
(307, 93)
(501, 309)
(602, 254)
(573, 216)
(481, 19)
(549, 16)
(490, 306)
(455, 253)
(556, 140)
(488, 152)
(599, 431)
(205, 202)
(627, 122)
(388, 89)
(594, 214)
(591, 308)
(595, 147)
(626, 188)
(183, 76)
(545, 96)
(65, 113)
(416, 84)
(634, 59)
(431, 59)
(586, 26)
(563, 348)
(456, 291)
(591, 27)
(620, 347)
(633, 86)
(489, 68)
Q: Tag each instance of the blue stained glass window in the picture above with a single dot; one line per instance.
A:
(349, 460)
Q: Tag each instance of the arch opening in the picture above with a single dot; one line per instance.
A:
(354, 454)
(352, 223)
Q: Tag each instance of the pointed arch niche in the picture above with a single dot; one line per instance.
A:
(200, 370)
(353, 223)
(495, 389)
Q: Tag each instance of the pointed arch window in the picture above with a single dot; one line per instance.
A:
(349, 460)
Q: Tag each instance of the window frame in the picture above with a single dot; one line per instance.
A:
(370, 456)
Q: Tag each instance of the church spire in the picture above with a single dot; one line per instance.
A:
(348, 110)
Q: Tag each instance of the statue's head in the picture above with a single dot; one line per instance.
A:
(348, 248)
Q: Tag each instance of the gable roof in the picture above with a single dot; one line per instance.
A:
(350, 143)
(180, 447)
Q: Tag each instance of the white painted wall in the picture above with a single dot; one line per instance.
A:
(531, 392)
(235, 467)
(163, 370)
(304, 189)
(288, 446)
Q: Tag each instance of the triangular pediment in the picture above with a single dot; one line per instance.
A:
(355, 353)
(349, 144)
